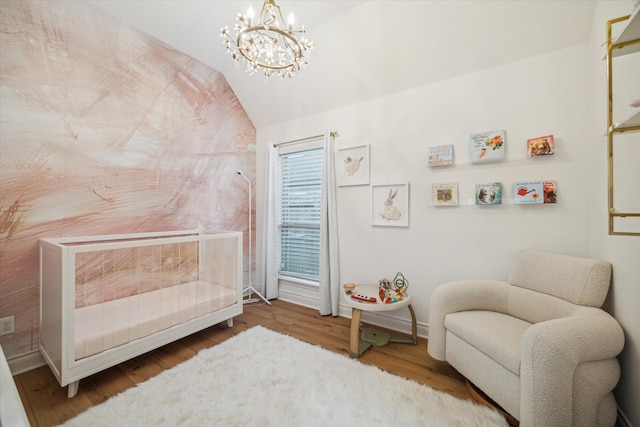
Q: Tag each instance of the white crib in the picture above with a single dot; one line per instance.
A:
(107, 299)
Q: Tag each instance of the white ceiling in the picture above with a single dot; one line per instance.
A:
(364, 49)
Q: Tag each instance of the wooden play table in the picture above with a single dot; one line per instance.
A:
(370, 336)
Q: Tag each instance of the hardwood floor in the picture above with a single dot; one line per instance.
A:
(46, 403)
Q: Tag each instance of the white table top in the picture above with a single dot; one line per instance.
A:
(379, 305)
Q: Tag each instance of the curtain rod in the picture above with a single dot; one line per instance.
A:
(333, 134)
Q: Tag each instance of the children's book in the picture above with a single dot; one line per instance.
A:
(534, 192)
(444, 194)
(487, 146)
(550, 193)
(489, 193)
(441, 155)
(527, 192)
(540, 146)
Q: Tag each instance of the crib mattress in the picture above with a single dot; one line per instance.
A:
(100, 327)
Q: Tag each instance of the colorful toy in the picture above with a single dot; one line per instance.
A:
(363, 298)
(390, 292)
(349, 287)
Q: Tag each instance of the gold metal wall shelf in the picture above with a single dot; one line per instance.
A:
(627, 42)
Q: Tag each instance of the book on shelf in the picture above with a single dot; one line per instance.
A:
(527, 193)
(534, 192)
(440, 155)
(489, 193)
(540, 146)
(487, 146)
(444, 194)
(550, 191)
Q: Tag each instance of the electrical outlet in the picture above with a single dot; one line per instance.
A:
(7, 325)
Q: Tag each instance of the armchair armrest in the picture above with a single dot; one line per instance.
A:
(551, 352)
(458, 296)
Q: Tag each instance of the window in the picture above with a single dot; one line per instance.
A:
(300, 185)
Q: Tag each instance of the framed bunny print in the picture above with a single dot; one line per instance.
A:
(390, 205)
(352, 166)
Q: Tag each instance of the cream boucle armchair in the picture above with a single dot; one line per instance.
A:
(538, 344)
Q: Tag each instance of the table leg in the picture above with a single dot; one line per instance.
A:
(354, 339)
(414, 325)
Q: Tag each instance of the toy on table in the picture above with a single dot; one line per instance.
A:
(348, 288)
(391, 292)
(363, 298)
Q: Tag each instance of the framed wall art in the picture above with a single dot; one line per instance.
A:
(390, 205)
(353, 166)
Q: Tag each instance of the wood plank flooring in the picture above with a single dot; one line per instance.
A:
(46, 403)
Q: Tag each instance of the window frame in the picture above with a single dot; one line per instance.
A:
(284, 150)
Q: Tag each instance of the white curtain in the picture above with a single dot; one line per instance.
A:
(329, 260)
(269, 253)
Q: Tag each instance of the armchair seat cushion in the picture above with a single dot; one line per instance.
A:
(497, 335)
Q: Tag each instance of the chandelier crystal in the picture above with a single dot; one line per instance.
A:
(269, 45)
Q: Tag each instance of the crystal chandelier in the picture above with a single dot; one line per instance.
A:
(270, 45)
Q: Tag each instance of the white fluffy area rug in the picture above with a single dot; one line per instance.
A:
(264, 378)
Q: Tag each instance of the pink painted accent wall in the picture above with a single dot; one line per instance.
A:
(105, 130)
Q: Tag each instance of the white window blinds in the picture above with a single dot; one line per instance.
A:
(299, 213)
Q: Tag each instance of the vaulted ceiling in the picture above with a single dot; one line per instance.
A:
(364, 49)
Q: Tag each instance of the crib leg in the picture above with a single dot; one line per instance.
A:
(73, 389)
(230, 322)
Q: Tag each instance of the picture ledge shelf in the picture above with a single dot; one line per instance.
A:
(498, 162)
(472, 202)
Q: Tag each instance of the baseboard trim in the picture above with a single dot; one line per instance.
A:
(298, 296)
(622, 420)
(26, 362)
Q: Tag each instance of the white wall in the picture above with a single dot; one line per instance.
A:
(622, 251)
(549, 94)
(530, 98)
